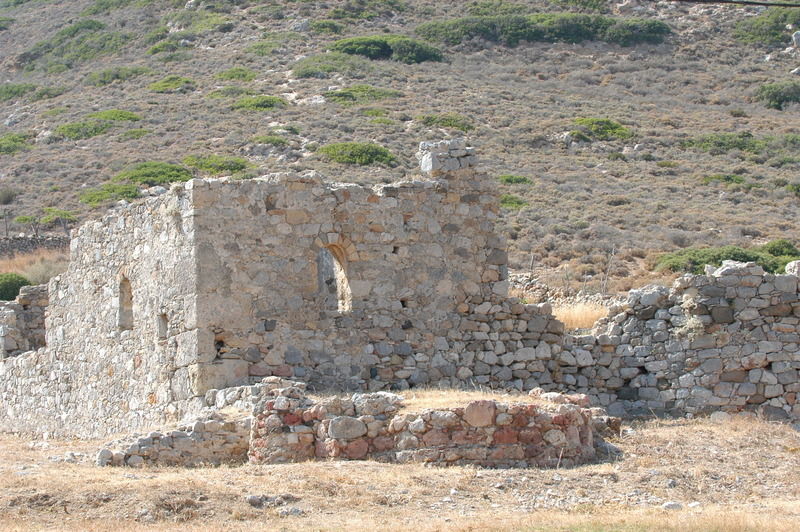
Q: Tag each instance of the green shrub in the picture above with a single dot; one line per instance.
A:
(718, 143)
(110, 75)
(776, 95)
(510, 179)
(82, 130)
(361, 153)
(374, 111)
(451, 120)
(271, 140)
(510, 30)
(134, 134)
(326, 26)
(116, 115)
(5, 23)
(667, 164)
(587, 6)
(172, 83)
(216, 165)
(45, 93)
(512, 202)
(726, 179)
(794, 188)
(237, 74)
(367, 9)
(604, 128)
(769, 28)
(10, 91)
(487, 8)
(100, 7)
(81, 42)
(259, 103)
(200, 21)
(232, 91)
(10, 283)
(780, 248)
(163, 46)
(12, 143)
(153, 173)
(397, 47)
(772, 256)
(359, 94)
(109, 192)
(322, 66)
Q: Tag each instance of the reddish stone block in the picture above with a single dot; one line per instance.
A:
(506, 435)
(283, 371)
(533, 451)
(357, 449)
(435, 437)
(530, 436)
(332, 448)
(320, 449)
(480, 413)
(383, 443)
(291, 419)
(520, 420)
(560, 419)
(307, 416)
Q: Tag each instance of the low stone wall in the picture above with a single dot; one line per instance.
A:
(293, 428)
(22, 321)
(15, 245)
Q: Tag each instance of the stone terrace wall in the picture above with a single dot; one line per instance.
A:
(22, 321)
(293, 428)
(15, 245)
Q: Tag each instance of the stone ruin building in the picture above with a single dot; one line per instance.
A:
(206, 295)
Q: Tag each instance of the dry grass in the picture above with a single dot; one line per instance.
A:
(37, 266)
(580, 315)
(744, 474)
(418, 399)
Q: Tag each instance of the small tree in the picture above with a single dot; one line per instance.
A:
(34, 222)
(54, 215)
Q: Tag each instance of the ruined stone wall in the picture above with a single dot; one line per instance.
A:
(412, 252)
(22, 321)
(110, 366)
(292, 428)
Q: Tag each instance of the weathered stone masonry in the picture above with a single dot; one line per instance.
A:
(169, 303)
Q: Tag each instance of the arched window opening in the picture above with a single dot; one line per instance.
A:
(333, 283)
(163, 326)
(125, 316)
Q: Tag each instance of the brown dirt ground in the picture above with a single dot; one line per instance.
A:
(744, 473)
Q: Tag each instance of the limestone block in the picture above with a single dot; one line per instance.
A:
(217, 375)
(195, 347)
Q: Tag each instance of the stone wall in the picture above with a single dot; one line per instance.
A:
(293, 428)
(119, 326)
(343, 285)
(16, 245)
(22, 321)
(172, 303)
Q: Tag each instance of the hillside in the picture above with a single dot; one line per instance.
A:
(692, 157)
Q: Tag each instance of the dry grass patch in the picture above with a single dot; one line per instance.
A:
(744, 474)
(418, 399)
(580, 315)
(37, 266)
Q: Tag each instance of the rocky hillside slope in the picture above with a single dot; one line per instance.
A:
(607, 138)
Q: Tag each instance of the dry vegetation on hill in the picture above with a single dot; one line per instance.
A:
(743, 474)
(571, 207)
